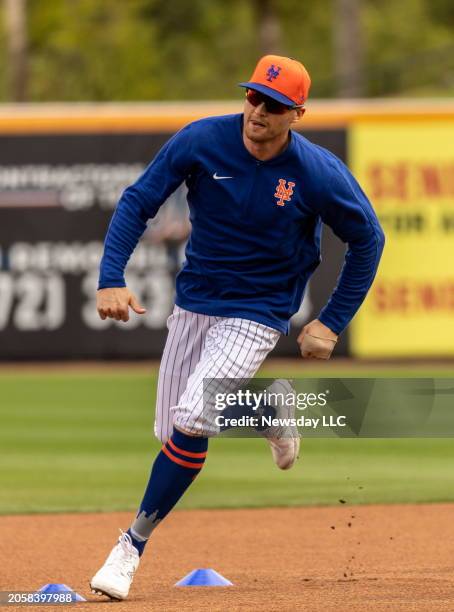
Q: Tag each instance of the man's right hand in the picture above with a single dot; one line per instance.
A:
(114, 303)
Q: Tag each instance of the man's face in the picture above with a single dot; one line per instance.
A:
(262, 126)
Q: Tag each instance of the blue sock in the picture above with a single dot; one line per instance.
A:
(174, 469)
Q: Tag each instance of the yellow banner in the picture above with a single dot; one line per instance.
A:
(407, 171)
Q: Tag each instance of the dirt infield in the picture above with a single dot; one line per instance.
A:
(342, 558)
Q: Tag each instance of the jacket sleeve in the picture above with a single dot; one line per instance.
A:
(346, 209)
(140, 202)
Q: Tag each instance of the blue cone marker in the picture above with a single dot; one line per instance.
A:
(204, 577)
(56, 588)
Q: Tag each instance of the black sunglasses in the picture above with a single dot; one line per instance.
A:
(272, 106)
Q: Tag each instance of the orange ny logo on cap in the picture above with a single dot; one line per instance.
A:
(283, 193)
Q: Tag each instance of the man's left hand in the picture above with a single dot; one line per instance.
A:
(316, 341)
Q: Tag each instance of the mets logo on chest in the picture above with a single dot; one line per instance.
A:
(284, 193)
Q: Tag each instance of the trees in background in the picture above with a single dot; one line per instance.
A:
(16, 49)
(197, 49)
(348, 42)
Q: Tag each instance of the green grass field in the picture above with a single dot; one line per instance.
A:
(84, 442)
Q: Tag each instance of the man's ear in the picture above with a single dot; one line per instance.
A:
(299, 113)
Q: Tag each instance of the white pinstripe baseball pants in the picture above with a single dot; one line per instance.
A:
(202, 347)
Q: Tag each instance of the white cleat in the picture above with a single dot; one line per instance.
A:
(285, 451)
(116, 575)
(284, 440)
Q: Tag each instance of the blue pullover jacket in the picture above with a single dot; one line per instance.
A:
(256, 225)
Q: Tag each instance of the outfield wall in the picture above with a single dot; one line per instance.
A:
(63, 167)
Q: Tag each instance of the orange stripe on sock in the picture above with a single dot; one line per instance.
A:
(186, 453)
(187, 464)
